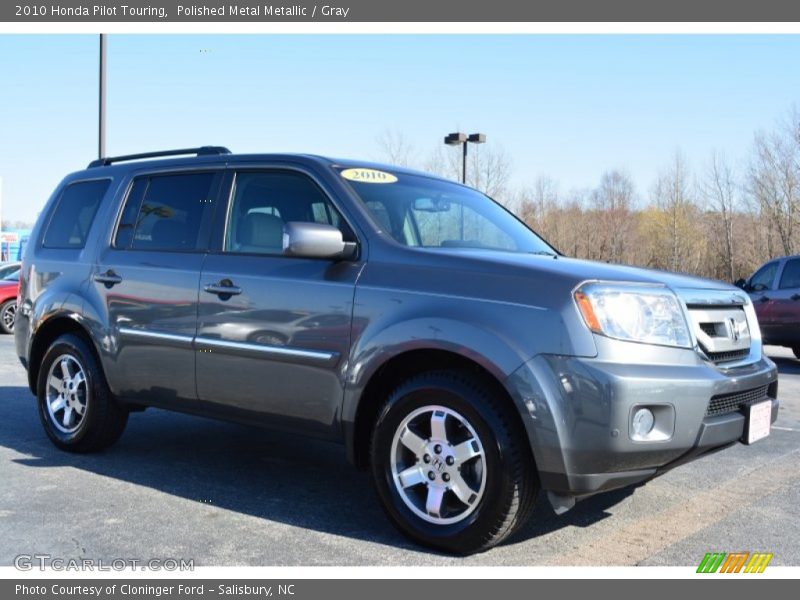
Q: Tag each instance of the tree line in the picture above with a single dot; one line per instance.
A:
(714, 219)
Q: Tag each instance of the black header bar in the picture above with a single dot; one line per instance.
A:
(441, 11)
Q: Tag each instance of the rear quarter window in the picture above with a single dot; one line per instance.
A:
(74, 214)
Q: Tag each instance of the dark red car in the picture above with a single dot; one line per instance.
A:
(8, 303)
(775, 291)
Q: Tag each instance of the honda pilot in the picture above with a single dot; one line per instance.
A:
(458, 357)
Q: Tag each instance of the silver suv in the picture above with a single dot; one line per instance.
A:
(457, 355)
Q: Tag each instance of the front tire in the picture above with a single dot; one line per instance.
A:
(76, 408)
(451, 463)
(8, 312)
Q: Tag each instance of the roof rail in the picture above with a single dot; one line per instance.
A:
(201, 151)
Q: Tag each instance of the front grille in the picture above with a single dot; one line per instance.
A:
(722, 357)
(728, 403)
(722, 332)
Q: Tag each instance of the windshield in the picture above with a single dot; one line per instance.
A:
(425, 212)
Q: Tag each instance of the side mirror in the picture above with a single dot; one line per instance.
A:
(741, 283)
(316, 240)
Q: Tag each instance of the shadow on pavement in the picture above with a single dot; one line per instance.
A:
(786, 366)
(276, 476)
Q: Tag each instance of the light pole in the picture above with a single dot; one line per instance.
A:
(101, 130)
(455, 139)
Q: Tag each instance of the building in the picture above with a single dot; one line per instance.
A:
(12, 244)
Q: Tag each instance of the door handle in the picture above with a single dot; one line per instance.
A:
(764, 299)
(108, 279)
(795, 296)
(223, 289)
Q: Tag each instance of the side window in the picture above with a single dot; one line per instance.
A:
(165, 212)
(262, 201)
(763, 278)
(74, 213)
(791, 275)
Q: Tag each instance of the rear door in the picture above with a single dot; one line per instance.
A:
(147, 279)
(274, 331)
(786, 303)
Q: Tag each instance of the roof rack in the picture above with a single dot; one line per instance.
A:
(201, 151)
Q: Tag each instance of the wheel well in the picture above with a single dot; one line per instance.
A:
(46, 335)
(396, 370)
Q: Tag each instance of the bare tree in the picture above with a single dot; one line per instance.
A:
(678, 240)
(489, 168)
(612, 200)
(395, 148)
(719, 189)
(774, 183)
(534, 204)
(539, 206)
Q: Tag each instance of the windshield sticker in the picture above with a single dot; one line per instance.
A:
(368, 176)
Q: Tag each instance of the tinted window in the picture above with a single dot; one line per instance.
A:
(73, 216)
(791, 274)
(264, 201)
(165, 212)
(764, 277)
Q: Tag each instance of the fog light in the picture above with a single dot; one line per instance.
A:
(643, 421)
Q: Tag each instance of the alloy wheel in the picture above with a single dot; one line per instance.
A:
(67, 393)
(8, 316)
(438, 465)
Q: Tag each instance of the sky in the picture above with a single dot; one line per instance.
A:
(566, 106)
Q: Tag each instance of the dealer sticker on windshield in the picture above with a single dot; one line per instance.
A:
(759, 417)
(368, 176)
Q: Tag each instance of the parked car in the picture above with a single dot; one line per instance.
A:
(8, 269)
(458, 356)
(8, 303)
(775, 291)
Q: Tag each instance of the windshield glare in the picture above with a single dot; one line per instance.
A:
(423, 212)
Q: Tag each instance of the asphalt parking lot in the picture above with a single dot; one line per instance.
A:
(177, 486)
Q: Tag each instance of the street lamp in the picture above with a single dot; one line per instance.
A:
(455, 139)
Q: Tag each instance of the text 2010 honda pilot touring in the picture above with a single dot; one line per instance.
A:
(459, 357)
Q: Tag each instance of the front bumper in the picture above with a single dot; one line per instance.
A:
(577, 413)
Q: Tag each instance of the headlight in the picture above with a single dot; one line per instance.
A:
(636, 313)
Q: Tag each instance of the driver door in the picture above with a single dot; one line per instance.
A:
(761, 290)
(274, 331)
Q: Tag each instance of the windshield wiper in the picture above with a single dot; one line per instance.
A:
(544, 253)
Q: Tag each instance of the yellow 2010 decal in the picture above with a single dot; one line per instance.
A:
(368, 176)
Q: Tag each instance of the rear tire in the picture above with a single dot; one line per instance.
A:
(77, 410)
(8, 311)
(451, 463)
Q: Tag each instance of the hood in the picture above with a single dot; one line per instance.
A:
(583, 270)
